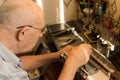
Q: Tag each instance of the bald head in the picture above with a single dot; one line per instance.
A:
(20, 12)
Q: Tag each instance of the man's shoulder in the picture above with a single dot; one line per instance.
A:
(9, 71)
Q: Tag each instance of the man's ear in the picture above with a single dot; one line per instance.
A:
(22, 33)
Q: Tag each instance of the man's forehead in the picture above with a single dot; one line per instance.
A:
(41, 26)
(41, 22)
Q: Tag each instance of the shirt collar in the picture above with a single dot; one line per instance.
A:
(8, 56)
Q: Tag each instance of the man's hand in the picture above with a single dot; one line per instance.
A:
(76, 57)
(79, 55)
(67, 49)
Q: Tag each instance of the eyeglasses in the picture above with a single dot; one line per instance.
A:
(42, 30)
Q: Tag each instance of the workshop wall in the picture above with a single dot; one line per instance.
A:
(51, 10)
(117, 14)
(113, 8)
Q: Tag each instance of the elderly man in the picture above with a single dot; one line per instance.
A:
(21, 25)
